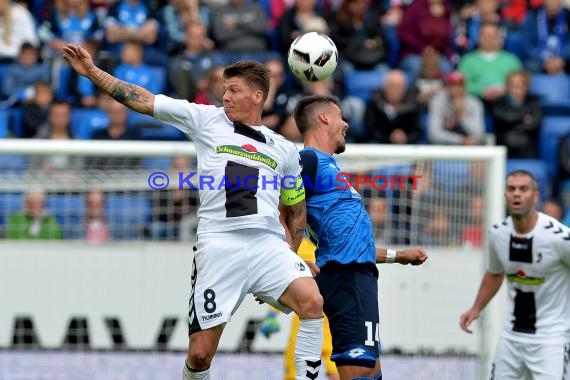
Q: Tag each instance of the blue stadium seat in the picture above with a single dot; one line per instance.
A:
(514, 43)
(159, 77)
(128, 215)
(489, 125)
(13, 163)
(450, 175)
(9, 204)
(553, 129)
(63, 83)
(86, 121)
(362, 83)
(136, 118)
(152, 129)
(16, 121)
(4, 67)
(157, 163)
(69, 210)
(552, 89)
(4, 123)
(538, 168)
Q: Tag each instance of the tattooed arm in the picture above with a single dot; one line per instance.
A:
(293, 219)
(135, 97)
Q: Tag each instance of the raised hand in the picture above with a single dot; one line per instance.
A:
(78, 58)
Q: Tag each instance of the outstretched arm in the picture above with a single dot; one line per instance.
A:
(414, 256)
(135, 97)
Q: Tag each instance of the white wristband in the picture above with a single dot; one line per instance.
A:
(390, 256)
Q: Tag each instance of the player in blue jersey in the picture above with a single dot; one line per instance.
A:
(339, 225)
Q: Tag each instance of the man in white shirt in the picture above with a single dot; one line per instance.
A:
(245, 244)
(533, 251)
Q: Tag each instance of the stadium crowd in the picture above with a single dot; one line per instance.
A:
(410, 72)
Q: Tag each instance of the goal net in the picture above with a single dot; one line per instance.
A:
(96, 249)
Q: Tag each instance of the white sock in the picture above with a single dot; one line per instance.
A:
(188, 374)
(308, 349)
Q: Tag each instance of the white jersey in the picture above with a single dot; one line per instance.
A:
(240, 168)
(537, 268)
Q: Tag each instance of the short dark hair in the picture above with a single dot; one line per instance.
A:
(305, 108)
(525, 173)
(27, 46)
(254, 73)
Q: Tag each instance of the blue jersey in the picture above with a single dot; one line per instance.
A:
(337, 221)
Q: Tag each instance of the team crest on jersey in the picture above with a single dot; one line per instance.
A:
(300, 267)
(249, 152)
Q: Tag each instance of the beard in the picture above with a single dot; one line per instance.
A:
(340, 148)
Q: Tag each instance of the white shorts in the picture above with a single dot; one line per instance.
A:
(229, 265)
(520, 361)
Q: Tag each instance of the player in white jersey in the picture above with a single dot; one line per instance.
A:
(247, 175)
(532, 250)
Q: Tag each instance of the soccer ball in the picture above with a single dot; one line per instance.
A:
(312, 57)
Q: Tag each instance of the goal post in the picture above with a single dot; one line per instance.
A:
(136, 218)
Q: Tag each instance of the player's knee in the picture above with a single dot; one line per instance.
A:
(311, 306)
(199, 360)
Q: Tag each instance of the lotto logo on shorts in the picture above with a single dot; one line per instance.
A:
(300, 267)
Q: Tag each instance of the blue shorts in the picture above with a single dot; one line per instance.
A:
(350, 293)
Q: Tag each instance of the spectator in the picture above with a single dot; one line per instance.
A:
(117, 130)
(71, 21)
(187, 72)
(554, 208)
(58, 122)
(486, 68)
(474, 185)
(295, 21)
(517, 117)
(426, 25)
(546, 38)
(34, 223)
(561, 188)
(96, 228)
(438, 230)
(56, 128)
(455, 117)
(469, 24)
(175, 209)
(17, 27)
(472, 234)
(391, 116)
(131, 20)
(35, 111)
(118, 124)
(410, 205)
(175, 17)
(377, 208)
(214, 90)
(18, 81)
(429, 80)
(133, 70)
(240, 27)
(359, 37)
(352, 108)
(515, 11)
(275, 111)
